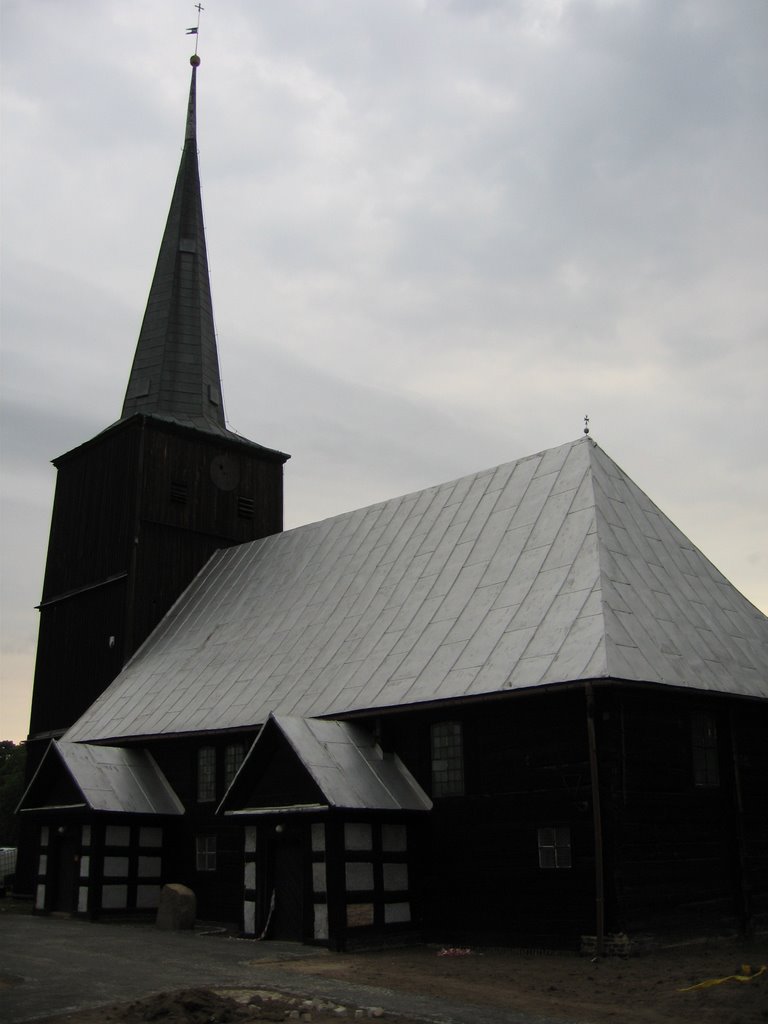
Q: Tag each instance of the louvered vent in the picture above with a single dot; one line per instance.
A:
(179, 491)
(245, 507)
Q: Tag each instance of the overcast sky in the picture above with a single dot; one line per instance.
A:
(439, 231)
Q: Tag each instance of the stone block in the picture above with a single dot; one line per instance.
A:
(178, 908)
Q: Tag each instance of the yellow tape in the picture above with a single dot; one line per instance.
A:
(748, 975)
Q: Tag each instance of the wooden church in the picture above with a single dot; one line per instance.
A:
(519, 707)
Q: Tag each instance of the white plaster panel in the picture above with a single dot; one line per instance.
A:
(40, 898)
(318, 837)
(359, 876)
(116, 867)
(86, 835)
(318, 878)
(152, 837)
(321, 921)
(82, 899)
(85, 866)
(114, 897)
(250, 839)
(358, 836)
(150, 867)
(42, 867)
(250, 875)
(394, 838)
(117, 835)
(147, 896)
(397, 913)
(395, 876)
(249, 917)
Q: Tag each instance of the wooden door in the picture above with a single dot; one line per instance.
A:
(288, 876)
(64, 869)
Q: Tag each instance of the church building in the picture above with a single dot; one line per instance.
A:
(515, 708)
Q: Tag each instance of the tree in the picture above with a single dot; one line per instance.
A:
(13, 758)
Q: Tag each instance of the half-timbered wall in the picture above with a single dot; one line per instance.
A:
(354, 880)
(92, 868)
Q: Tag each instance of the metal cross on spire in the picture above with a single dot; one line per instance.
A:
(195, 31)
(586, 424)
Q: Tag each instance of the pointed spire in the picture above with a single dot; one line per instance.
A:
(175, 373)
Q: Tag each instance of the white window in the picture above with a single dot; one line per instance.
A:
(555, 847)
(205, 853)
(206, 774)
(447, 759)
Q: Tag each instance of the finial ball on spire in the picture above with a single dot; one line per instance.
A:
(194, 60)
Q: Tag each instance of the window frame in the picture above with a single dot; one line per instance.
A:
(206, 774)
(705, 750)
(555, 847)
(205, 853)
(234, 755)
(447, 758)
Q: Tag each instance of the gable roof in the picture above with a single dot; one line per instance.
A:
(547, 570)
(101, 779)
(348, 767)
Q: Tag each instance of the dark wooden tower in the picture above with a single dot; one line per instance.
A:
(140, 507)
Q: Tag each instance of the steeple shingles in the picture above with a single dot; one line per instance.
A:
(175, 372)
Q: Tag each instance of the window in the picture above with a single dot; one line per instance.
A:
(447, 759)
(205, 853)
(206, 774)
(555, 847)
(233, 758)
(706, 769)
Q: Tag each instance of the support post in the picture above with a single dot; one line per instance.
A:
(596, 822)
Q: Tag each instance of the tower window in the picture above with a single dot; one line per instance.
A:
(555, 847)
(447, 759)
(206, 774)
(706, 769)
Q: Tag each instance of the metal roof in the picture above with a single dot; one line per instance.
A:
(350, 769)
(110, 779)
(550, 569)
(175, 372)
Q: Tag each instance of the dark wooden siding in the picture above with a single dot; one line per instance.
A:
(76, 656)
(671, 841)
(526, 767)
(678, 856)
(92, 513)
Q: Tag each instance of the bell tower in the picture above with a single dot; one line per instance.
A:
(139, 508)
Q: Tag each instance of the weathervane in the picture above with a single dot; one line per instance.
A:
(586, 424)
(195, 31)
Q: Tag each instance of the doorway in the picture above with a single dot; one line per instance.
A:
(288, 883)
(64, 868)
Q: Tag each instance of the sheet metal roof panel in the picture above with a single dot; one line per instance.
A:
(119, 779)
(349, 768)
(357, 608)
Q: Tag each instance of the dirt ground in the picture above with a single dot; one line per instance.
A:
(644, 989)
